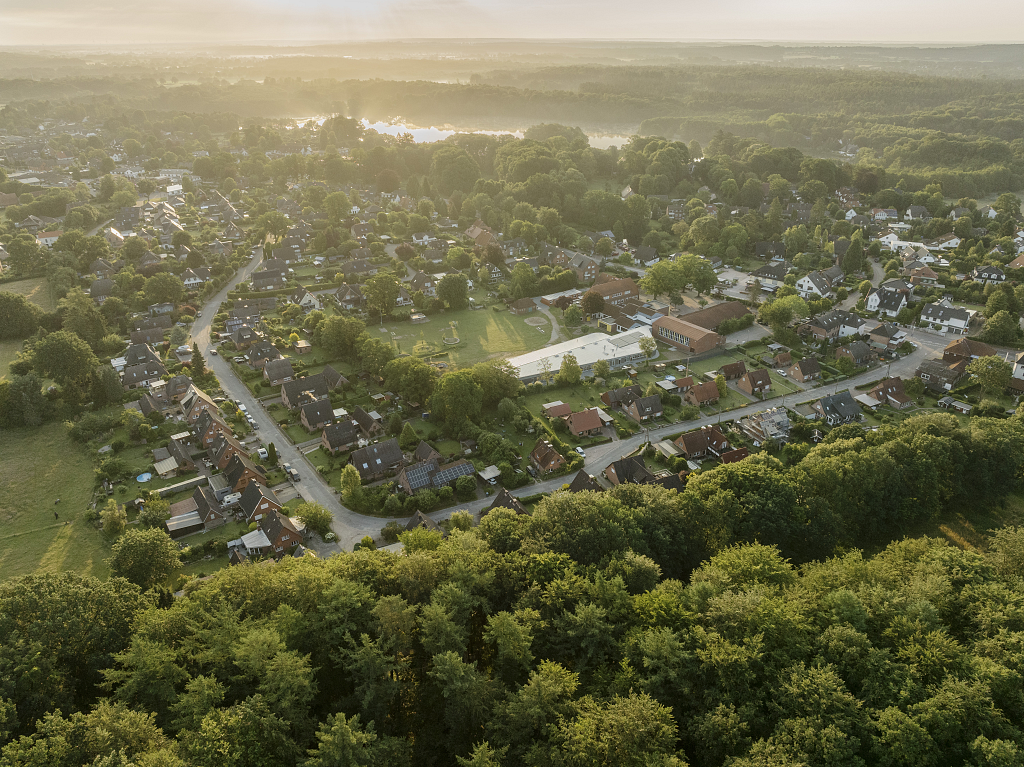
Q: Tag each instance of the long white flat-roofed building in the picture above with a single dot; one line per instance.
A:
(620, 351)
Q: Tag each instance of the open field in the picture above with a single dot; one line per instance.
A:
(35, 290)
(483, 334)
(36, 468)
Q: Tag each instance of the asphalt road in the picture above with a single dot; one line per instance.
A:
(351, 527)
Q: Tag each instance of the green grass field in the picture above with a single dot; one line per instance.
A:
(36, 468)
(36, 290)
(483, 334)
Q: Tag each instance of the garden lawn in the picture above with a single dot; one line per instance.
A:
(36, 290)
(37, 467)
(483, 334)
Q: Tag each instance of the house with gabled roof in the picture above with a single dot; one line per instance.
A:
(890, 391)
(755, 382)
(629, 470)
(339, 436)
(282, 531)
(952, 319)
(703, 442)
(733, 370)
(240, 471)
(309, 388)
(583, 482)
(374, 461)
(314, 416)
(644, 408)
(545, 458)
(366, 422)
(807, 369)
(837, 408)
(278, 372)
(223, 448)
(505, 500)
(701, 394)
(197, 513)
(967, 349)
(858, 352)
(584, 423)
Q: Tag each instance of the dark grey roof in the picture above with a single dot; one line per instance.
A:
(841, 405)
(937, 313)
(343, 432)
(375, 458)
(253, 495)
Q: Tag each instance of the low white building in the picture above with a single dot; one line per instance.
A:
(622, 350)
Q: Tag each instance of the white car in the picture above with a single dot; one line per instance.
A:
(781, 372)
(580, 451)
(213, 352)
(241, 407)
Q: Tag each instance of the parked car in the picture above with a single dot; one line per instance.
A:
(241, 407)
(781, 372)
(580, 451)
(262, 453)
(213, 352)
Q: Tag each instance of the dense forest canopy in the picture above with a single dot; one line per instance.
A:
(718, 626)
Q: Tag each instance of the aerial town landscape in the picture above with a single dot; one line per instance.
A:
(647, 413)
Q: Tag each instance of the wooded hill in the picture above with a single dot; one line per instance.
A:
(634, 627)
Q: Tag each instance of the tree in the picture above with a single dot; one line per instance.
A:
(198, 364)
(147, 186)
(569, 373)
(408, 439)
(340, 334)
(114, 518)
(780, 312)
(65, 357)
(453, 289)
(992, 373)
(144, 557)
(723, 388)
(381, 291)
(1002, 327)
(80, 315)
(375, 354)
(452, 168)
(155, 511)
(351, 484)
(602, 369)
(498, 380)
(413, 378)
(573, 316)
(456, 399)
(865, 288)
(913, 387)
(19, 317)
(315, 517)
(592, 302)
(271, 454)
(649, 347)
(164, 288)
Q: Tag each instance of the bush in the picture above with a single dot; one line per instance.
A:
(391, 531)
(465, 488)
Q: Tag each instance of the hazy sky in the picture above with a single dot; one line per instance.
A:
(82, 22)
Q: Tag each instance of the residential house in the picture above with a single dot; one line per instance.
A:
(887, 303)
(366, 422)
(768, 426)
(837, 409)
(923, 275)
(857, 351)
(223, 448)
(702, 394)
(244, 337)
(558, 409)
(282, 532)
(261, 353)
(782, 359)
(585, 267)
(939, 376)
(947, 242)
(545, 458)
(374, 461)
(807, 369)
(209, 426)
(835, 323)
(771, 276)
(200, 512)
(1017, 376)
(630, 470)
(316, 415)
(306, 300)
(584, 423)
(257, 501)
(952, 319)
(423, 283)
(195, 402)
(814, 284)
(278, 372)
(432, 474)
(620, 398)
(644, 408)
(505, 500)
(733, 370)
(240, 471)
(135, 376)
(770, 249)
(349, 297)
(309, 388)
(886, 336)
(967, 349)
(889, 391)
(339, 436)
(705, 441)
(150, 336)
(755, 382)
(583, 482)
(989, 275)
